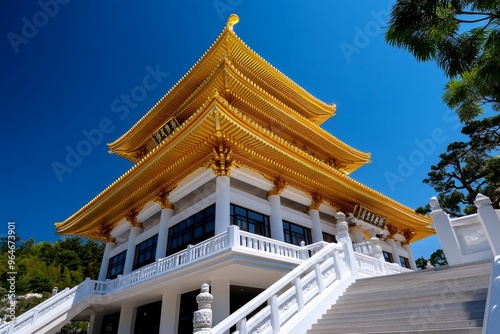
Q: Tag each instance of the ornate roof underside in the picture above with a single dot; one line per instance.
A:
(233, 104)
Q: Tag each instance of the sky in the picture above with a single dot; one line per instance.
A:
(66, 66)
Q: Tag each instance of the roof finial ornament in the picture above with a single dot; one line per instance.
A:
(232, 20)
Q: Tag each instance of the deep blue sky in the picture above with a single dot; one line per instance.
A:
(64, 66)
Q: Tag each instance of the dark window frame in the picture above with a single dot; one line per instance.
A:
(145, 252)
(405, 262)
(115, 262)
(293, 232)
(192, 230)
(388, 257)
(248, 220)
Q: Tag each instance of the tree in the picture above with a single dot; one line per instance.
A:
(463, 37)
(437, 30)
(437, 259)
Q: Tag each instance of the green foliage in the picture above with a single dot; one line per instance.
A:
(467, 169)
(463, 37)
(436, 259)
(43, 266)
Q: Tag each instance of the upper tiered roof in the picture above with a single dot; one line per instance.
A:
(233, 106)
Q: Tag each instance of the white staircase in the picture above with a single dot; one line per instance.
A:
(440, 300)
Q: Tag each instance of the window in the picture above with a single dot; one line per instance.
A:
(404, 262)
(294, 233)
(388, 257)
(145, 252)
(191, 231)
(329, 237)
(250, 221)
(116, 264)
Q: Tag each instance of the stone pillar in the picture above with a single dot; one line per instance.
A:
(135, 230)
(202, 319)
(221, 163)
(221, 289)
(95, 324)
(127, 319)
(445, 233)
(222, 204)
(313, 212)
(167, 211)
(169, 312)
(276, 221)
(344, 239)
(392, 243)
(110, 245)
(411, 259)
(490, 222)
(409, 234)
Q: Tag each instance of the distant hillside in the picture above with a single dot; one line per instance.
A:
(40, 267)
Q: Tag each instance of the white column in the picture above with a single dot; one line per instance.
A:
(169, 313)
(161, 246)
(110, 245)
(95, 324)
(317, 233)
(411, 259)
(445, 233)
(489, 221)
(222, 204)
(395, 253)
(220, 289)
(127, 319)
(135, 230)
(275, 220)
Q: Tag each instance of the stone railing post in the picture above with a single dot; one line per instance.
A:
(202, 319)
(445, 233)
(344, 239)
(489, 221)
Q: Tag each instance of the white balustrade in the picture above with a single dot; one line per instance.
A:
(289, 295)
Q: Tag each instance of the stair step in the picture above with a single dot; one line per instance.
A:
(409, 325)
(399, 319)
(414, 292)
(471, 330)
(418, 301)
(439, 309)
(419, 278)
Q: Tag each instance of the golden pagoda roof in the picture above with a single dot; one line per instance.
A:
(248, 78)
(263, 122)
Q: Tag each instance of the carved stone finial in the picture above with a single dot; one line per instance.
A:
(317, 200)
(131, 217)
(434, 203)
(279, 185)
(202, 319)
(232, 20)
(481, 201)
(162, 198)
(376, 248)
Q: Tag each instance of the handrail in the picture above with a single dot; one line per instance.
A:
(378, 267)
(322, 269)
(491, 320)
